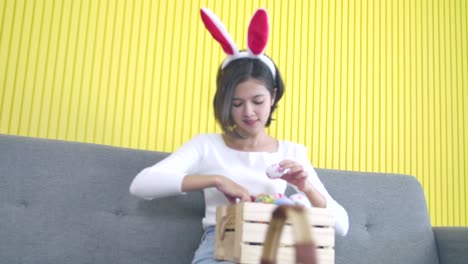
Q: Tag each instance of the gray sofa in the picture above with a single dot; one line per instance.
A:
(64, 202)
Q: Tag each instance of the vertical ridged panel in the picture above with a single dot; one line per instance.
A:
(370, 85)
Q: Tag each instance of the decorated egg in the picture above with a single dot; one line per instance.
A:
(284, 201)
(275, 171)
(300, 199)
(264, 198)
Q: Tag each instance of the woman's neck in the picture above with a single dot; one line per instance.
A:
(258, 143)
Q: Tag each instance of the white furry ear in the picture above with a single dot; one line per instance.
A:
(218, 31)
(257, 37)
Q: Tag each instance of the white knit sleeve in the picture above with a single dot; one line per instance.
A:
(341, 216)
(165, 177)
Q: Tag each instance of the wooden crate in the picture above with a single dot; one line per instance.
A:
(241, 229)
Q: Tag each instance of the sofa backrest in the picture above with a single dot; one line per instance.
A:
(64, 202)
(389, 221)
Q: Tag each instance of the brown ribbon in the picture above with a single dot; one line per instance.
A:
(304, 242)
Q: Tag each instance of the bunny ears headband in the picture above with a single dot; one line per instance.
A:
(257, 38)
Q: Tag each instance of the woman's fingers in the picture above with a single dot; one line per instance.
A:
(295, 169)
(233, 191)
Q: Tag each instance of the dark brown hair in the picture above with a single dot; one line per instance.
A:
(236, 72)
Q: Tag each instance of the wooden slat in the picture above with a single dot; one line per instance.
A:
(262, 212)
(255, 233)
(251, 255)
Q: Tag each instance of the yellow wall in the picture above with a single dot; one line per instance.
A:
(371, 85)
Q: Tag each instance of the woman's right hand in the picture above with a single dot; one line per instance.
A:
(232, 190)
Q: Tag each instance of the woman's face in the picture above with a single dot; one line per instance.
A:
(251, 105)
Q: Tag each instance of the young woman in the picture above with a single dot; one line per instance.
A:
(231, 166)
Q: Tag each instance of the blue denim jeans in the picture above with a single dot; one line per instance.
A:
(205, 252)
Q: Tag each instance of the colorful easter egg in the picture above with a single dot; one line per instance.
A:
(264, 198)
(284, 201)
(301, 199)
(275, 171)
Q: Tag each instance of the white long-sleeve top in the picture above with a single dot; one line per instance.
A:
(207, 154)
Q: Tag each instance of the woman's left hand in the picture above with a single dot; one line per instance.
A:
(296, 175)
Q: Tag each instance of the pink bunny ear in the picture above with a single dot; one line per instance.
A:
(257, 37)
(218, 31)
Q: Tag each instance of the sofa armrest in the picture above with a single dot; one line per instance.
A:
(452, 244)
